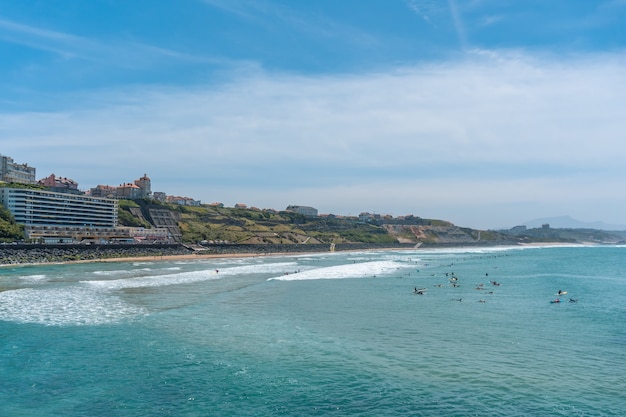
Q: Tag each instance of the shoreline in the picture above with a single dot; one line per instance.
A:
(68, 254)
(186, 257)
(202, 256)
(71, 255)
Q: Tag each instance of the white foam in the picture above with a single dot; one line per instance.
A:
(74, 305)
(355, 270)
(34, 278)
(490, 249)
(261, 268)
(188, 277)
(121, 272)
(153, 280)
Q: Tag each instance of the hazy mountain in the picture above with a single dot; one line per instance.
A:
(567, 222)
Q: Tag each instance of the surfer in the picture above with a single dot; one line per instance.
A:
(562, 292)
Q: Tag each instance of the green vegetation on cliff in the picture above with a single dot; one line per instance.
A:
(251, 226)
(210, 224)
(9, 230)
(125, 217)
(234, 225)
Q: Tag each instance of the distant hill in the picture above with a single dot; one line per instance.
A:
(567, 222)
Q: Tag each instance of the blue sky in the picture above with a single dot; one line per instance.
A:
(486, 113)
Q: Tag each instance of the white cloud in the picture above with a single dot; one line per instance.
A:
(120, 53)
(491, 20)
(495, 131)
(458, 24)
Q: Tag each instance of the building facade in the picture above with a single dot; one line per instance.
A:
(60, 184)
(128, 191)
(305, 210)
(106, 191)
(145, 185)
(140, 188)
(182, 201)
(18, 173)
(61, 216)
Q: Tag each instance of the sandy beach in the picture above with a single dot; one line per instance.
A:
(192, 256)
(60, 255)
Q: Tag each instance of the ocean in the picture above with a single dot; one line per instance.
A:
(339, 334)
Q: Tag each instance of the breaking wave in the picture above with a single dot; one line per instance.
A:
(355, 270)
(64, 306)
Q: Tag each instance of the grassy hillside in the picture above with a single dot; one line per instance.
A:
(219, 225)
(247, 226)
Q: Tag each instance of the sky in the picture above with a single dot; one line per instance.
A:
(485, 113)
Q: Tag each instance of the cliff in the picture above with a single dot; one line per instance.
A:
(219, 225)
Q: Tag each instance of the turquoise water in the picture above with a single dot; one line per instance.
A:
(314, 335)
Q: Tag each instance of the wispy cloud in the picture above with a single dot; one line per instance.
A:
(267, 14)
(123, 53)
(432, 10)
(491, 20)
(422, 8)
(458, 24)
(416, 138)
(59, 43)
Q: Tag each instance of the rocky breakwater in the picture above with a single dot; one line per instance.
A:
(32, 254)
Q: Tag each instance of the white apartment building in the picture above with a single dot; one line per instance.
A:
(61, 215)
(13, 172)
